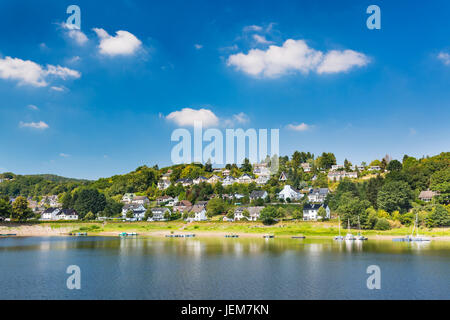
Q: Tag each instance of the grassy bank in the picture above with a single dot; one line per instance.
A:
(290, 228)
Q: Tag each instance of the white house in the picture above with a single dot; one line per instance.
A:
(290, 193)
(283, 177)
(262, 179)
(197, 213)
(261, 169)
(245, 178)
(229, 180)
(51, 201)
(50, 214)
(158, 214)
(306, 167)
(140, 200)
(317, 195)
(254, 213)
(67, 214)
(137, 209)
(336, 167)
(163, 184)
(200, 180)
(311, 212)
(258, 194)
(128, 197)
(213, 179)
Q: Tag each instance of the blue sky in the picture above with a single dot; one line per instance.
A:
(94, 103)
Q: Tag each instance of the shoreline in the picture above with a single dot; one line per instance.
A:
(49, 231)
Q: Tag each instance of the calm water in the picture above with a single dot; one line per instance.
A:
(149, 268)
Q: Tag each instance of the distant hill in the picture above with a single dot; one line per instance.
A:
(56, 178)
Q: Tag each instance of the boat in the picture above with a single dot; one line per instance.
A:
(349, 236)
(80, 234)
(298, 237)
(412, 237)
(7, 234)
(339, 237)
(268, 236)
(359, 236)
(231, 236)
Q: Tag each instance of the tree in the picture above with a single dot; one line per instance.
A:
(20, 210)
(439, 217)
(395, 195)
(326, 160)
(382, 224)
(5, 208)
(88, 199)
(394, 165)
(216, 206)
(246, 213)
(322, 213)
(440, 181)
(268, 215)
(130, 214)
(230, 214)
(89, 216)
(246, 166)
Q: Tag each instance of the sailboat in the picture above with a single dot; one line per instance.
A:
(349, 236)
(417, 237)
(359, 236)
(339, 237)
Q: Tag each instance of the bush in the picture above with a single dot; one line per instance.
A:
(382, 224)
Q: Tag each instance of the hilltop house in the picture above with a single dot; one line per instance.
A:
(311, 212)
(165, 200)
(197, 213)
(336, 167)
(427, 195)
(229, 180)
(200, 180)
(182, 206)
(306, 167)
(141, 200)
(290, 193)
(245, 178)
(50, 201)
(158, 214)
(185, 182)
(128, 197)
(339, 175)
(50, 214)
(137, 209)
(226, 172)
(163, 184)
(261, 169)
(374, 168)
(318, 195)
(283, 177)
(262, 179)
(213, 179)
(255, 194)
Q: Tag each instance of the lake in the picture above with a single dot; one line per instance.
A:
(221, 268)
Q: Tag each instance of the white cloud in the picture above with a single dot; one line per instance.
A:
(341, 61)
(32, 107)
(241, 118)
(34, 125)
(294, 56)
(64, 155)
(124, 43)
(252, 28)
(187, 117)
(261, 39)
(445, 58)
(55, 88)
(198, 46)
(74, 33)
(29, 72)
(299, 127)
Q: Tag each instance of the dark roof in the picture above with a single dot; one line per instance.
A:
(257, 194)
(69, 212)
(312, 206)
(50, 210)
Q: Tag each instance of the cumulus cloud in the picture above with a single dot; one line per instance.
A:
(55, 88)
(32, 107)
(299, 127)
(445, 58)
(41, 125)
(75, 34)
(187, 117)
(294, 56)
(29, 72)
(124, 43)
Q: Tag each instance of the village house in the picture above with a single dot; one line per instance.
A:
(213, 179)
(311, 212)
(128, 197)
(283, 177)
(159, 214)
(336, 167)
(245, 178)
(229, 180)
(306, 167)
(226, 172)
(200, 180)
(138, 211)
(182, 206)
(197, 213)
(374, 168)
(261, 169)
(254, 213)
(140, 200)
(50, 201)
(427, 195)
(262, 179)
(289, 193)
(67, 214)
(163, 184)
(50, 214)
(186, 182)
(164, 200)
(256, 194)
(318, 195)
(339, 175)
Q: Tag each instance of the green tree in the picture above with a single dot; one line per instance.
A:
(89, 216)
(322, 213)
(394, 165)
(382, 224)
(395, 195)
(88, 199)
(216, 206)
(268, 215)
(20, 210)
(5, 208)
(440, 216)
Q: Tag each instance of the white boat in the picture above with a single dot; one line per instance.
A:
(349, 236)
(359, 236)
(339, 237)
(417, 237)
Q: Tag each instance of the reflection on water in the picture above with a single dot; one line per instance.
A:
(221, 268)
